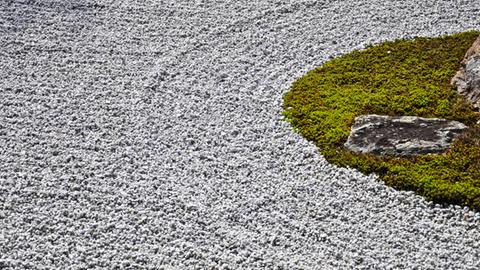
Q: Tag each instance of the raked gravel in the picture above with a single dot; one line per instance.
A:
(149, 135)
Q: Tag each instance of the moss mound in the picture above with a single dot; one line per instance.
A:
(397, 78)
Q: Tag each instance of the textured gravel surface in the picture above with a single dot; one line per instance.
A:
(148, 135)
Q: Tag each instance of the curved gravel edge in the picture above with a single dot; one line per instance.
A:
(150, 136)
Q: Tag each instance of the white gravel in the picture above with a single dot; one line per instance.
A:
(149, 135)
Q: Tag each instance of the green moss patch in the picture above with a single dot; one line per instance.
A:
(397, 78)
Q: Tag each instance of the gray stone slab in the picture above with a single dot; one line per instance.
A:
(402, 136)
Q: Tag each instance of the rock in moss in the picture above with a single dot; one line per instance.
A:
(467, 79)
(403, 77)
(402, 136)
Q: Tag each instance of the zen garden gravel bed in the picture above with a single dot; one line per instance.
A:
(149, 135)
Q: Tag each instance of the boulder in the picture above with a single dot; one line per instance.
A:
(467, 79)
(402, 136)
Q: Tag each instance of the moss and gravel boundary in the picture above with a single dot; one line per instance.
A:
(396, 78)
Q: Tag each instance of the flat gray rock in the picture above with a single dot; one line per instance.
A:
(402, 136)
(467, 79)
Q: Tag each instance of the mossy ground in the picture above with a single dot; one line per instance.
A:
(403, 77)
